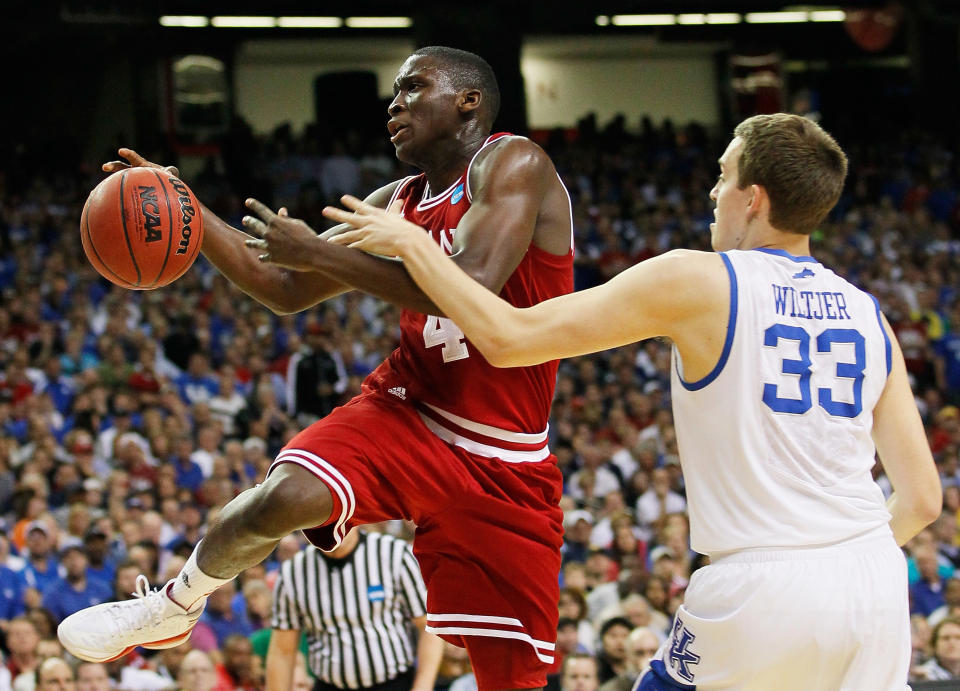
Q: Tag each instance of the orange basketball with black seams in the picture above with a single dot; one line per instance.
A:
(141, 228)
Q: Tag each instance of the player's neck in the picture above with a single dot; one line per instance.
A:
(447, 160)
(796, 244)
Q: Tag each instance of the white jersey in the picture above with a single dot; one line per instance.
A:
(775, 442)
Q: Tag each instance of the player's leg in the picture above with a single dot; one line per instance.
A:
(249, 527)
(247, 531)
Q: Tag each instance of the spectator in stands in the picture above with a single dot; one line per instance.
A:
(612, 655)
(93, 676)
(656, 503)
(221, 618)
(228, 401)
(926, 594)
(641, 645)
(579, 673)
(951, 599)
(921, 633)
(196, 672)
(240, 669)
(197, 384)
(573, 606)
(170, 659)
(11, 586)
(566, 644)
(40, 571)
(945, 663)
(100, 564)
(316, 377)
(189, 473)
(76, 589)
(577, 525)
(54, 674)
(22, 640)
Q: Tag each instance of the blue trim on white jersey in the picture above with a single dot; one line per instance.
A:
(657, 679)
(886, 337)
(785, 254)
(731, 329)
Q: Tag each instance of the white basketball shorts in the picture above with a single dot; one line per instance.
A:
(828, 619)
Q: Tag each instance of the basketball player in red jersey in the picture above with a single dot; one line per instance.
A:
(437, 436)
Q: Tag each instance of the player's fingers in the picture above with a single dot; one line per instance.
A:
(341, 216)
(283, 212)
(359, 206)
(255, 244)
(114, 166)
(173, 171)
(261, 210)
(133, 157)
(346, 237)
(254, 225)
(265, 258)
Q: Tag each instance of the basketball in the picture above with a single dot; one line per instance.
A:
(141, 228)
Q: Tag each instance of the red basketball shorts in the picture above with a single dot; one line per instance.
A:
(488, 531)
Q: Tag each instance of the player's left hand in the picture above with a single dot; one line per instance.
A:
(285, 241)
(378, 231)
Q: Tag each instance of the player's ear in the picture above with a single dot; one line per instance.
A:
(758, 201)
(470, 99)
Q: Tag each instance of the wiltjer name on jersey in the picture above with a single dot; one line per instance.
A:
(809, 304)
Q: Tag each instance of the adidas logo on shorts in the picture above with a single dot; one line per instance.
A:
(398, 391)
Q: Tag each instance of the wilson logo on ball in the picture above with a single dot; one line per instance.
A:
(187, 212)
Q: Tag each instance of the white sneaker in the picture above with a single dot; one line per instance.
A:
(106, 632)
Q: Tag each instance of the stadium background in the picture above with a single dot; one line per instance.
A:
(102, 391)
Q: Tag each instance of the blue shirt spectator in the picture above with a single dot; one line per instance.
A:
(67, 595)
(40, 570)
(197, 385)
(221, 617)
(11, 593)
(926, 594)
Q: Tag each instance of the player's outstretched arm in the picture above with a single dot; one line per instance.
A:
(279, 289)
(665, 296)
(902, 445)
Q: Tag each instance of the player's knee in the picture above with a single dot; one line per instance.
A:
(290, 499)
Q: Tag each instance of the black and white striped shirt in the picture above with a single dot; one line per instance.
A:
(356, 611)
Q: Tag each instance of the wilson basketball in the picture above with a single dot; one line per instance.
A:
(141, 228)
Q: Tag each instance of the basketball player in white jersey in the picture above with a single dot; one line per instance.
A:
(787, 380)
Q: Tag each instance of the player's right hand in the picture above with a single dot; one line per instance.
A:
(135, 160)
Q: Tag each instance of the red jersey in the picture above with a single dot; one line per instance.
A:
(462, 398)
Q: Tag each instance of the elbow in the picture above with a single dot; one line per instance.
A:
(494, 350)
(932, 505)
(282, 309)
(501, 350)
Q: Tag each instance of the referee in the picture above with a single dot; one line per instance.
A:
(359, 606)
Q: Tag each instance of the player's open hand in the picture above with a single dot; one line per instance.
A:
(135, 160)
(285, 241)
(376, 230)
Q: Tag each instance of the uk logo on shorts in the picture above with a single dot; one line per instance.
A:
(681, 656)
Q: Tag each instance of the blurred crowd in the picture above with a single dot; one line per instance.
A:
(128, 419)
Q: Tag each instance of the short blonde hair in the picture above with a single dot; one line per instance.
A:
(800, 165)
